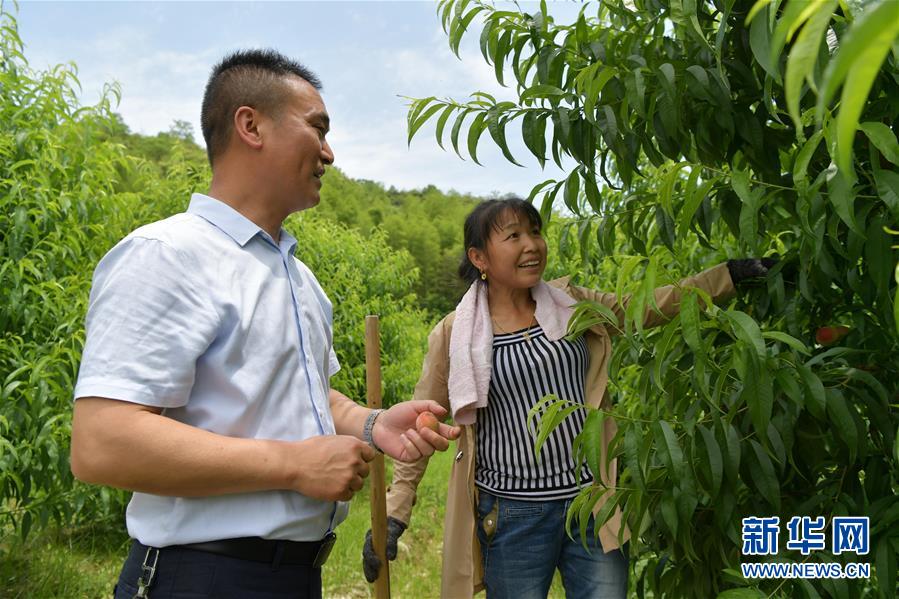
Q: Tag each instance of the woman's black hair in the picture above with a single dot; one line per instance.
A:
(485, 218)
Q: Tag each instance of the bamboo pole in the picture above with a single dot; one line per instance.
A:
(378, 482)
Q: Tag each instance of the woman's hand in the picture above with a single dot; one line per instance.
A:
(746, 270)
(395, 434)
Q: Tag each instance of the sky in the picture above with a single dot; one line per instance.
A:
(371, 56)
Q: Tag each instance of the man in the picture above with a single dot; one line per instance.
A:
(204, 385)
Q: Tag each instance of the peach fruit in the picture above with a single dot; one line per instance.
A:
(829, 335)
(426, 420)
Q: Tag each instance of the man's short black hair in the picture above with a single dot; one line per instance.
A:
(254, 78)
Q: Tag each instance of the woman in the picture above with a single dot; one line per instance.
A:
(489, 362)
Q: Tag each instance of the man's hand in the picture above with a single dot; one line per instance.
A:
(333, 466)
(394, 431)
(371, 565)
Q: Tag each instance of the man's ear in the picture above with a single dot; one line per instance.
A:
(246, 127)
(478, 258)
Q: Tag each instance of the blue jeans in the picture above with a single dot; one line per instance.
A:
(523, 542)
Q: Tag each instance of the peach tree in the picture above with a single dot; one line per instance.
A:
(693, 131)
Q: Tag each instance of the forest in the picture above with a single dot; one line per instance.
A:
(701, 130)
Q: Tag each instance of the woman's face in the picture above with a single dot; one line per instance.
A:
(515, 255)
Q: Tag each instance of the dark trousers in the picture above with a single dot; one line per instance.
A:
(190, 574)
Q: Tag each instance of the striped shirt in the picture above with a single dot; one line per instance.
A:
(524, 371)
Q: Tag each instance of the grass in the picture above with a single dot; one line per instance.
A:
(84, 563)
(74, 563)
(416, 571)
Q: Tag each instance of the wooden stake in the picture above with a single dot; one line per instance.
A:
(378, 482)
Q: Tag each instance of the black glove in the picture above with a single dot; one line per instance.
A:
(747, 269)
(370, 562)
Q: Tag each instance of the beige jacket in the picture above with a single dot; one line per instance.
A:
(462, 574)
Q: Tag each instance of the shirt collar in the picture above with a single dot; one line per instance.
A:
(234, 224)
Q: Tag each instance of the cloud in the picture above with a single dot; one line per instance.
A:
(367, 55)
(378, 151)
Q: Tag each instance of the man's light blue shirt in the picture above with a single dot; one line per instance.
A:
(204, 315)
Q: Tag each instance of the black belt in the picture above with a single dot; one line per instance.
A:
(256, 549)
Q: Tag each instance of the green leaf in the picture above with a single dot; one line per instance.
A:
(759, 5)
(500, 53)
(793, 342)
(857, 61)
(458, 26)
(647, 288)
(488, 38)
(842, 196)
(885, 564)
(594, 88)
(715, 460)
(608, 125)
(888, 189)
(878, 255)
(747, 330)
(663, 348)
(667, 80)
(732, 444)
(591, 190)
(800, 166)
(762, 473)
(896, 440)
(669, 511)
(417, 115)
(804, 54)
(760, 41)
(497, 128)
(896, 322)
(792, 17)
(457, 128)
(859, 81)
(670, 176)
(474, 134)
(872, 383)
(533, 131)
(788, 383)
(632, 461)
(844, 425)
(702, 80)
(572, 187)
(550, 420)
(749, 211)
(441, 124)
(758, 393)
(672, 454)
(883, 139)
(691, 205)
(816, 399)
(689, 313)
(592, 435)
(540, 91)
(742, 593)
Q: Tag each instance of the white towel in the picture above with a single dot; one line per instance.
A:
(471, 343)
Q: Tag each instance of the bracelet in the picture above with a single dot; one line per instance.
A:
(368, 429)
